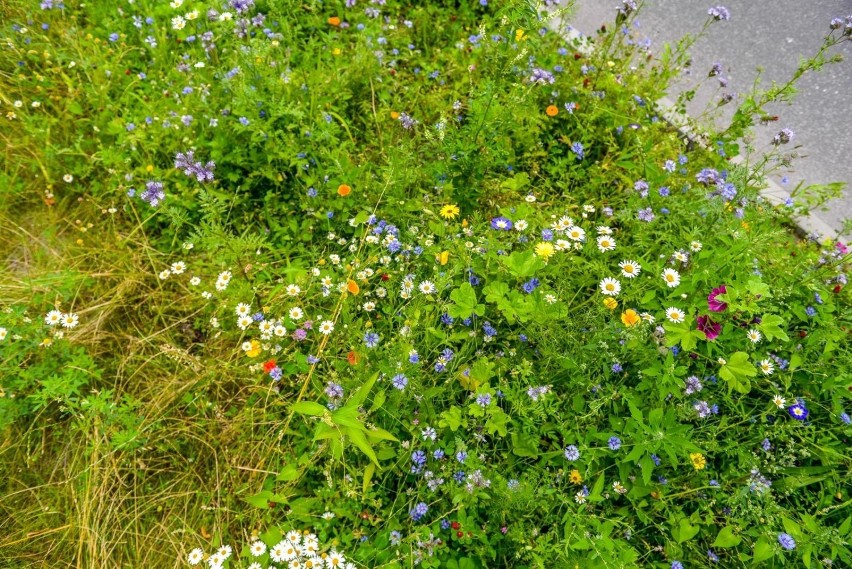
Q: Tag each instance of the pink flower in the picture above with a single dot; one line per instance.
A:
(713, 303)
(711, 329)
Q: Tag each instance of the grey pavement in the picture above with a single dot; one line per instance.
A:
(775, 36)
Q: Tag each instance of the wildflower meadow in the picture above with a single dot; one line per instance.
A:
(391, 283)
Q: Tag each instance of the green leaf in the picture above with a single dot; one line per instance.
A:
(726, 538)
(736, 372)
(495, 290)
(368, 476)
(682, 333)
(288, 473)
(381, 435)
(686, 531)
(360, 396)
(452, 418)
(524, 444)
(360, 440)
(523, 264)
(347, 416)
(596, 495)
(465, 305)
(771, 326)
(763, 550)
(308, 408)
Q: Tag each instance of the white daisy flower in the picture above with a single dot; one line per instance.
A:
(579, 497)
(68, 178)
(193, 15)
(296, 313)
(610, 286)
(295, 564)
(334, 560)
(280, 331)
(549, 298)
(521, 225)
(3, 333)
(767, 367)
(603, 230)
(606, 243)
(246, 346)
(221, 285)
(207, 294)
(671, 277)
(225, 551)
(69, 320)
(630, 269)
(328, 515)
(195, 556)
(779, 401)
(277, 551)
(195, 281)
(648, 317)
(675, 315)
(754, 335)
(294, 290)
(164, 274)
(266, 327)
(369, 306)
(291, 552)
(255, 565)
(215, 561)
(178, 267)
(257, 548)
(427, 287)
(576, 233)
(327, 327)
(243, 309)
(178, 23)
(243, 322)
(681, 256)
(695, 246)
(53, 318)
(225, 277)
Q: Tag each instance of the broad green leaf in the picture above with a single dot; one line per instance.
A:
(308, 408)
(524, 444)
(596, 495)
(523, 264)
(288, 473)
(727, 538)
(368, 476)
(360, 440)
(464, 299)
(495, 291)
(736, 372)
(763, 550)
(347, 416)
(771, 326)
(380, 435)
(360, 396)
(452, 418)
(686, 531)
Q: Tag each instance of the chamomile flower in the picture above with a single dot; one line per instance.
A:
(327, 327)
(296, 313)
(255, 565)
(293, 290)
(334, 560)
(280, 331)
(69, 320)
(328, 515)
(225, 277)
(630, 269)
(68, 178)
(178, 23)
(427, 287)
(550, 299)
(681, 256)
(754, 336)
(606, 243)
(521, 225)
(195, 556)
(675, 315)
(603, 230)
(695, 246)
(164, 274)
(576, 233)
(178, 267)
(243, 322)
(216, 560)
(766, 366)
(279, 550)
(225, 551)
(610, 286)
(779, 401)
(243, 309)
(580, 497)
(257, 548)
(266, 327)
(53, 318)
(369, 306)
(648, 317)
(3, 333)
(195, 281)
(671, 277)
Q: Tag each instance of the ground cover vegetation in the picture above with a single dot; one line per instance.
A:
(394, 284)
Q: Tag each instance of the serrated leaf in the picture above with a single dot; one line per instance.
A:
(736, 372)
(771, 326)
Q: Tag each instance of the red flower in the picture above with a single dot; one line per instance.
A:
(269, 366)
(713, 303)
(711, 329)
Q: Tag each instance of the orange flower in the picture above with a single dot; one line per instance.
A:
(334, 21)
(343, 190)
(630, 318)
(352, 358)
(394, 115)
(352, 287)
(552, 110)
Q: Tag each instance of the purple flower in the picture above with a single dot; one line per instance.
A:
(530, 285)
(542, 77)
(371, 339)
(617, 368)
(614, 443)
(646, 215)
(719, 13)
(677, 565)
(193, 168)
(711, 329)
(418, 511)
(333, 390)
(572, 453)
(241, 6)
(798, 411)
(484, 400)
(708, 176)
(461, 456)
(407, 121)
(845, 418)
(783, 137)
(786, 541)
(766, 445)
(577, 148)
(713, 303)
(153, 193)
(501, 223)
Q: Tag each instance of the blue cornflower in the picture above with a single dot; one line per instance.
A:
(275, 373)
(531, 285)
(501, 223)
(333, 390)
(845, 418)
(484, 400)
(572, 453)
(459, 476)
(547, 235)
(786, 540)
(445, 524)
(418, 457)
(766, 445)
(614, 443)
(413, 357)
(810, 311)
(439, 454)
(113, 37)
(656, 459)
(371, 339)
(395, 537)
(312, 359)
(617, 368)
(446, 319)
(489, 330)
(244, 121)
(664, 191)
(577, 148)
(677, 565)
(461, 456)
(399, 381)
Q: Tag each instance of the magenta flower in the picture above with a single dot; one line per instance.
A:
(711, 329)
(714, 304)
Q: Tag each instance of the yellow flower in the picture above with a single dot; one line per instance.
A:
(630, 318)
(610, 303)
(545, 250)
(698, 460)
(255, 349)
(575, 477)
(450, 211)
(519, 35)
(443, 257)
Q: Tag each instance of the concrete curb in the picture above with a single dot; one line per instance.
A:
(810, 224)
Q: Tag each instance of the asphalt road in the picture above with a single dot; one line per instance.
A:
(775, 36)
